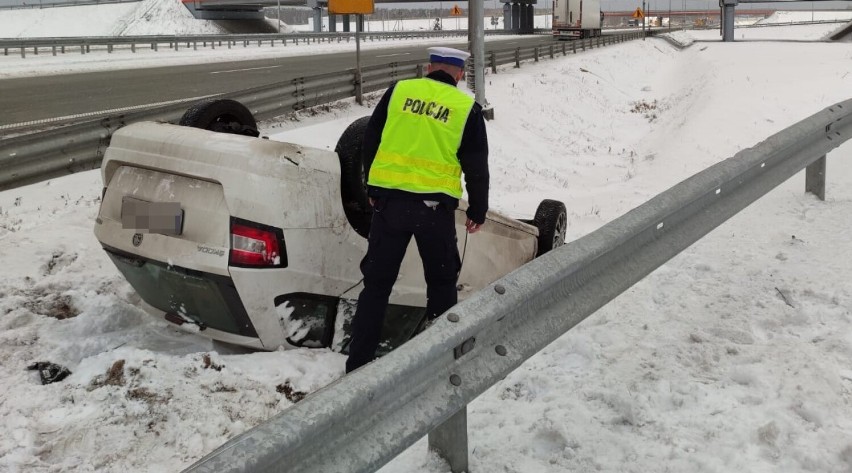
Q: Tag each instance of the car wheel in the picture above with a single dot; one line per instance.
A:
(551, 219)
(220, 115)
(353, 180)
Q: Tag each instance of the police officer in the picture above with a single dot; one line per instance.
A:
(423, 134)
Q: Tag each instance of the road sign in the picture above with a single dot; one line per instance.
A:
(638, 13)
(349, 7)
(456, 11)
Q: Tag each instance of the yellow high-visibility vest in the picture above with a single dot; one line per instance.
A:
(422, 134)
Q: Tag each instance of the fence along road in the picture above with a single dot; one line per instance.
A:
(39, 156)
(363, 420)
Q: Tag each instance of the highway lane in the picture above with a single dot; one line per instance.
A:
(46, 97)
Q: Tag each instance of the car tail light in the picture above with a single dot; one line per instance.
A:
(255, 245)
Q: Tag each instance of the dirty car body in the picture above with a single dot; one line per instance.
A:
(261, 253)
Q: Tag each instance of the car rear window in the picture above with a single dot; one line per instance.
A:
(207, 299)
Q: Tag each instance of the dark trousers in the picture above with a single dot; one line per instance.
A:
(394, 222)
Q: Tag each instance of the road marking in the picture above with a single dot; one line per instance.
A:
(392, 55)
(241, 70)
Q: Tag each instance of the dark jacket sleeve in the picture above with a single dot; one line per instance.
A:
(473, 156)
(373, 134)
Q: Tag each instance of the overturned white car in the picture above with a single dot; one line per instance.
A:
(258, 243)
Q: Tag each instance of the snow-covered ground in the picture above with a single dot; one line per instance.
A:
(734, 356)
(120, 19)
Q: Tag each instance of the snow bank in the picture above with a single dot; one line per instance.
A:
(147, 17)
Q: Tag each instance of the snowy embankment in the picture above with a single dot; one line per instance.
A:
(734, 356)
(147, 17)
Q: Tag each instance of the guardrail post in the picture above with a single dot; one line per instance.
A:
(419, 71)
(82, 49)
(574, 47)
(493, 62)
(815, 178)
(535, 53)
(583, 44)
(54, 50)
(154, 46)
(359, 89)
(23, 52)
(109, 49)
(517, 57)
(449, 440)
(195, 45)
(551, 51)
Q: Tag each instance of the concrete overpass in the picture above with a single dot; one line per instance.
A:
(518, 14)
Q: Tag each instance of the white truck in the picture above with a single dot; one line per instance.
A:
(576, 19)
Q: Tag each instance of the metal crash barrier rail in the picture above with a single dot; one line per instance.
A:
(365, 419)
(85, 44)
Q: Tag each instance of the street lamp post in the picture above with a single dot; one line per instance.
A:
(670, 15)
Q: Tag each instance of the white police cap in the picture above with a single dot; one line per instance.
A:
(451, 56)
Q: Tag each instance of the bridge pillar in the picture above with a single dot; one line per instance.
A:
(346, 23)
(507, 16)
(317, 20)
(332, 23)
(522, 18)
(728, 20)
(516, 16)
(530, 27)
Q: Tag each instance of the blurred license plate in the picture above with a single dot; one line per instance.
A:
(153, 217)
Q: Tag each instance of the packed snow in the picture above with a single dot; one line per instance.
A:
(734, 356)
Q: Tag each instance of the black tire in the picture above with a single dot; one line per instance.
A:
(551, 219)
(353, 179)
(220, 115)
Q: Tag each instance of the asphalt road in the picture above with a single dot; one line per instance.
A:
(38, 98)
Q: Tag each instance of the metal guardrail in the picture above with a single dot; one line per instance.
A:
(85, 44)
(792, 23)
(44, 155)
(363, 420)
